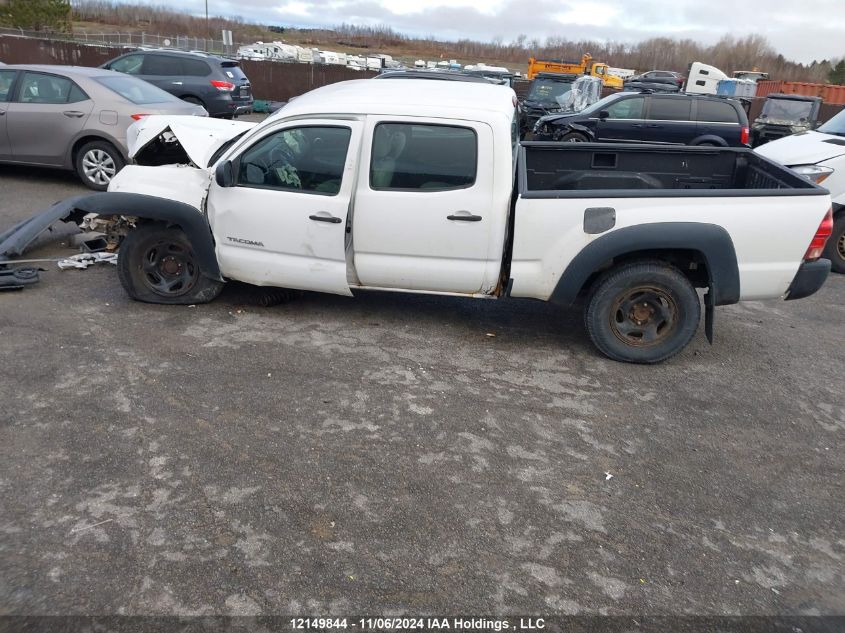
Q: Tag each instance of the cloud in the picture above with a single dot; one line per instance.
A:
(794, 30)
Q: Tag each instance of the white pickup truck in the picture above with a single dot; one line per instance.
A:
(421, 186)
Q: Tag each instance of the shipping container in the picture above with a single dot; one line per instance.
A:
(830, 93)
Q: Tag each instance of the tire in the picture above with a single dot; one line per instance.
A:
(835, 249)
(156, 264)
(638, 301)
(573, 137)
(96, 163)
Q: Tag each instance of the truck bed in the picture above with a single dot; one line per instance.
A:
(582, 170)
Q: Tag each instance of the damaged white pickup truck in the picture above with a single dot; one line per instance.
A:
(421, 186)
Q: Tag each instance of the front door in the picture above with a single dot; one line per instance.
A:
(47, 113)
(424, 207)
(284, 221)
(625, 121)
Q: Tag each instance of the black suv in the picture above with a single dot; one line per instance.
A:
(631, 117)
(216, 83)
(542, 97)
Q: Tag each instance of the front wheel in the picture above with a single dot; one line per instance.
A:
(157, 264)
(835, 249)
(642, 312)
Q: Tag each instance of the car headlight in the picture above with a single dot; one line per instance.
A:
(813, 173)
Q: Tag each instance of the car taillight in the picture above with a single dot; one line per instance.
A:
(820, 238)
(224, 86)
(744, 135)
(138, 117)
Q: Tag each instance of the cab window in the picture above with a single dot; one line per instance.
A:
(626, 109)
(304, 159)
(421, 157)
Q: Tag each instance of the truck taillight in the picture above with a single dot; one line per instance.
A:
(820, 238)
(138, 117)
(224, 86)
(744, 135)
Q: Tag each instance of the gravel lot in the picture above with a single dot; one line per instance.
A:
(386, 454)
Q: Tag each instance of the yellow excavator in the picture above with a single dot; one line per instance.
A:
(585, 67)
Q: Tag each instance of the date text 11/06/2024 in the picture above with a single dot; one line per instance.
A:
(418, 624)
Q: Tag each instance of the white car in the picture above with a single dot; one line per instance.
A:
(421, 186)
(819, 156)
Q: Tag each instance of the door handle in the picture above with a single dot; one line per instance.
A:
(636, 124)
(325, 218)
(653, 125)
(464, 217)
(2, 112)
(177, 83)
(74, 114)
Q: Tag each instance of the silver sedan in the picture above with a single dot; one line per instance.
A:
(75, 118)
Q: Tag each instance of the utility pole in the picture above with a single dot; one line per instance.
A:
(207, 30)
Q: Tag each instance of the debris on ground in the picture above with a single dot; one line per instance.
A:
(84, 260)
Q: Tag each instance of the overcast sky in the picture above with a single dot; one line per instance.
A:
(799, 29)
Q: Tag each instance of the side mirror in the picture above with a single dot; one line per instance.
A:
(604, 114)
(224, 174)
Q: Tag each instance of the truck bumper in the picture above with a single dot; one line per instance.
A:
(809, 278)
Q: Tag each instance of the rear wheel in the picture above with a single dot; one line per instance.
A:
(835, 249)
(642, 312)
(97, 163)
(157, 264)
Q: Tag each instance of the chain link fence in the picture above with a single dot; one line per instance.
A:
(130, 40)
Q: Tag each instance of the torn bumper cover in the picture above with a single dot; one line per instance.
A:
(15, 241)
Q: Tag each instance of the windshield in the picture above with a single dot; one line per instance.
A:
(546, 91)
(136, 90)
(835, 126)
(786, 110)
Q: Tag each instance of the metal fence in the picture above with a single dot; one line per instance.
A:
(134, 40)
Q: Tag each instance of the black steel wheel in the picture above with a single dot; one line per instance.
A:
(642, 312)
(157, 264)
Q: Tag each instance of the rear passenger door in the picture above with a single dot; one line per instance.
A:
(164, 71)
(669, 120)
(423, 208)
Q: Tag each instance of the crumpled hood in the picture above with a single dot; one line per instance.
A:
(804, 148)
(199, 137)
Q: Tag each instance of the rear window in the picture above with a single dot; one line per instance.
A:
(135, 90)
(672, 109)
(232, 70)
(716, 112)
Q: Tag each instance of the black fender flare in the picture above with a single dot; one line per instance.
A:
(190, 219)
(710, 240)
(111, 203)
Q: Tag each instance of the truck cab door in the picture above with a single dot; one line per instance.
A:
(283, 222)
(424, 208)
